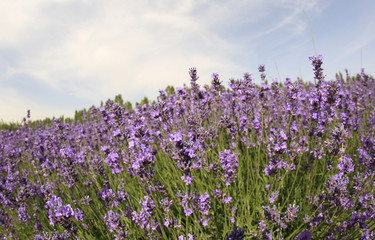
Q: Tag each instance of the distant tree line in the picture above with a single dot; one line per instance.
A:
(80, 115)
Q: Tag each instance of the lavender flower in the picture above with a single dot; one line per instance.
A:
(291, 214)
(113, 162)
(113, 221)
(229, 163)
(233, 212)
(266, 233)
(318, 70)
(191, 204)
(190, 237)
(86, 200)
(306, 235)
(65, 211)
(187, 179)
(216, 83)
(78, 214)
(22, 214)
(109, 197)
(62, 214)
(273, 196)
(204, 206)
(324, 129)
(236, 234)
(346, 164)
(144, 217)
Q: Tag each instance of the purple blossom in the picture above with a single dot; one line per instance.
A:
(55, 202)
(86, 200)
(337, 183)
(236, 234)
(204, 206)
(291, 213)
(144, 217)
(277, 143)
(112, 220)
(22, 214)
(317, 62)
(191, 204)
(265, 231)
(273, 196)
(62, 214)
(227, 200)
(109, 197)
(187, 179)
(367, 235)
(218, 193)
(306, 235)
(185, 202)
(346, 164)
(190, 237)
(229, 163)
(112, 160)
(277, 127)
(65, 211)
(216, 83)
(233, 212)
(78, 214)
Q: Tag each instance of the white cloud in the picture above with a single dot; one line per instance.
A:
(96, 49)
(16, 17)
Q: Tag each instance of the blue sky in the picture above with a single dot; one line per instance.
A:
(58, 56)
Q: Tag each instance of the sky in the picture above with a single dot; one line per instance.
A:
(58, 56)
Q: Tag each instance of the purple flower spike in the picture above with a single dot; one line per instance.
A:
(113, 162)
(236, 234)
(190, 237)
(144, 217)
(346, 164)
(22, 214)
(188, 180)
(216, 83)
(291, 214)
(306, 235)
(112, 220)
(64, 211)
(229, 163)
(318, 70)
(273, 196)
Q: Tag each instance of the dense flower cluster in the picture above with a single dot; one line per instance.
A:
(62, 214)
(113, 221)
(272, 160)
(143, 218)
(229, 163)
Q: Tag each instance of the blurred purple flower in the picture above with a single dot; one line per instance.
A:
(113, 221)
(22, 214)
(273, 196)
(306, 235)
(187, 179)
(237, 234)
(346, 164)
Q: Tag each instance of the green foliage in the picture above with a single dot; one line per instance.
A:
(169, 90)
(143, 102)
(12, 126)
(119, 100)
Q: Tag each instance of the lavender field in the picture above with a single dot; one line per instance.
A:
(281, 160)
